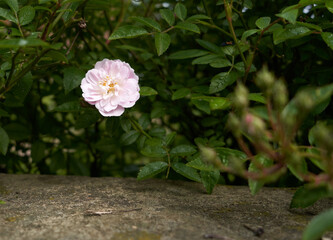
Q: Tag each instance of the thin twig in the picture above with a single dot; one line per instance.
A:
(100, 213)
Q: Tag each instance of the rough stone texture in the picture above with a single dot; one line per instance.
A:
(62, 207)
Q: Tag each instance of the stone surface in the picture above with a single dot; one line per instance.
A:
(69, 207)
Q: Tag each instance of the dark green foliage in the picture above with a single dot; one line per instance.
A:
(189, 56)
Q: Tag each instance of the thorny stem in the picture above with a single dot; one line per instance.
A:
(232, 30)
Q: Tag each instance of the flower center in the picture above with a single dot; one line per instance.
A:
(109, 85)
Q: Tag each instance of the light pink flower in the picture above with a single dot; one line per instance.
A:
(111, 86)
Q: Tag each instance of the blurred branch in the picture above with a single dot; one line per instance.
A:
(124, 6)
(103, 44)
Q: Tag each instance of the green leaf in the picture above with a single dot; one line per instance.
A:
(226, 154)
(180, 11)
(215, 103)
(229, 50)
(2, 202)
(199, 165)
(18, 93)
(182, 150)
(169, 138)
(209, 46)
(26, 15)
(310, 25)
(46, 1)
(240, 67)
(54, 55)
(73, 106)
(152, 169)
(180, 93)
(191, 53)
(256, 185)
(303, 102)
(131, 48)
(20, 43)
(198, 17)
(201, 104)
(17, 131)
(154, 148)
(221, 63)
(13, 4)
(188, 26)
(162, 42)
(257, 97)
(329, 5)
(319, 225)
(7, 14)
(306, 196)
(4, 141)
(316, 161)
(147, 91)
(129, 137)
(297, 166)
(290, 14)
(210, 179)
(222, 80)
(38, 151)
(186, 171)
(303, 3)
(3, 113)
(148, 22)
(328, 38)
(291, 32)
(127, 32)
(263, 22)
(144, 121)
(168, 16)
(210, 58)
(249, 33)
(72, 78)
(248, 4)
(125, 124)
(112, 125)
(87, 118)
(219, 103)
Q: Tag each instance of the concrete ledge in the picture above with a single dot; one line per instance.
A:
(70, 207)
